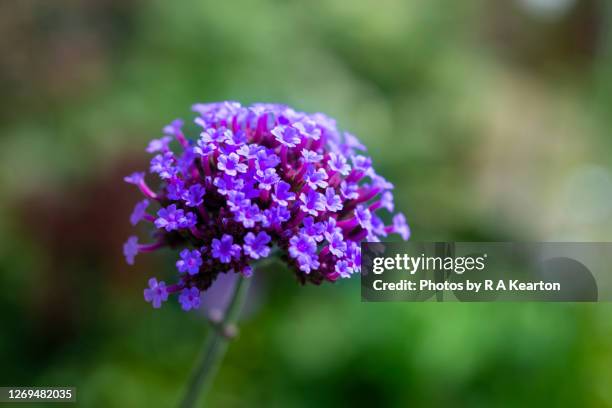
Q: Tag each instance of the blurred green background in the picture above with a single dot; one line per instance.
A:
(492, 118)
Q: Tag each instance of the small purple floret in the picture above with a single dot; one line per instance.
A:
(267, 178)
(139, 211)
(225, 249)
(316, 178)
(230, 164)
(163, 165)
(156, 293)
(130, 249)
(333, 202)
(135, 178)
(400, 226)
(190, 262)
(193, 196)
(169, 218)
(282, 193)
(286, 135)
(256, 246)
(312, 202)
(190, 298)
(159, 145)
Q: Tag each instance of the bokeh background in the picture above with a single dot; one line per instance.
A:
(492, 118)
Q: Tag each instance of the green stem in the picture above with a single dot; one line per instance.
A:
(215, 347)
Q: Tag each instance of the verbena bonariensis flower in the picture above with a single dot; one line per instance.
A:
(260, 177)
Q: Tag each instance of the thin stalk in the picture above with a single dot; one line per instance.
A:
(215, 347)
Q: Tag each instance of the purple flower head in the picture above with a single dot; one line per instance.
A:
(156, 293)
(190, 262)
(253, 178)
(190, 298)
(130, 249)
(139, 211)
(225, 249)
(256, 246)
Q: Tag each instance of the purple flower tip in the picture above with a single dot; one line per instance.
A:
(139, 211)
(400, 226)
(159, 145)
(134, 178)
(130, 249)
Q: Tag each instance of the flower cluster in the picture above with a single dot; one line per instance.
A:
(258, 179)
